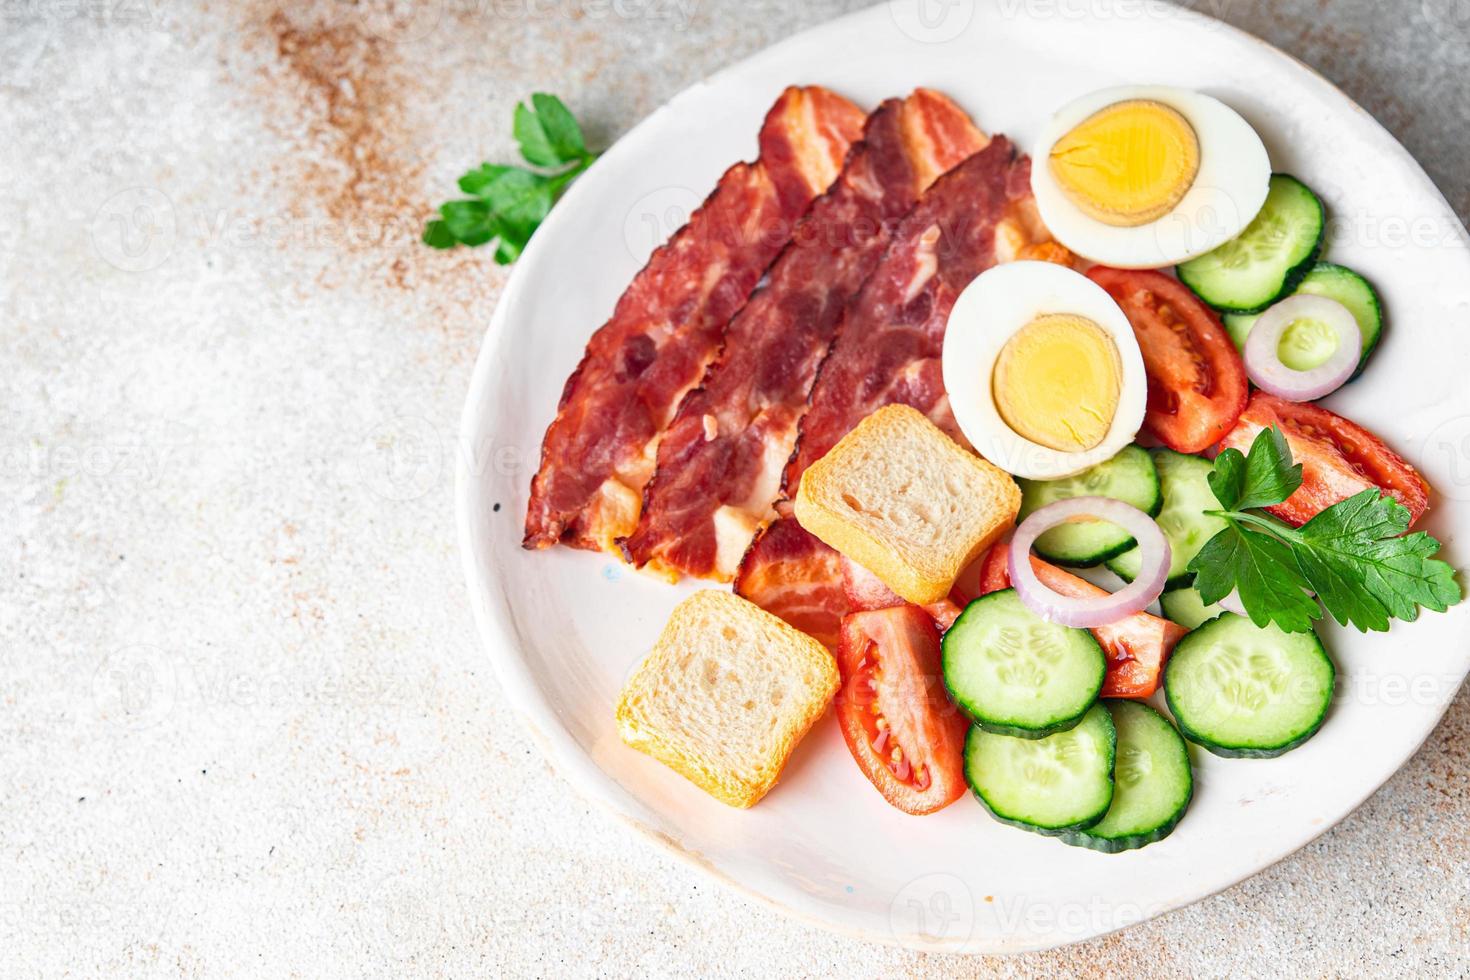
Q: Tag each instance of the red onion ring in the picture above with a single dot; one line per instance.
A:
(1263, 357)
(1101, 610)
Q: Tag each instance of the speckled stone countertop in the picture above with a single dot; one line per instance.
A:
(247, 726)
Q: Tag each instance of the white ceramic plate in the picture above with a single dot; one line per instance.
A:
(563, 627)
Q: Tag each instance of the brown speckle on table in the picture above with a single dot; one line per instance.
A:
(349, 99)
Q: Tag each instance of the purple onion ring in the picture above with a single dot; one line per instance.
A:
(1263, 356)
(1153, 573)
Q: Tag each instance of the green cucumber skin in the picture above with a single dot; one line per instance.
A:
(1180, 581)
(1239, 325)
(1079, 837)
(1131, 842)
(1089, 821)
(991, 725)
(1229, 753)
(1092, 559)
(1371, 345)
(1034, 490)
(1292, 277)
(1225, 753)
(1058, 832)
(1170, 604)
(1236, 751)
(1164, 461)
(996, 728)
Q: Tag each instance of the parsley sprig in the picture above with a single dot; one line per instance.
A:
(506, 204)
(1354, 555)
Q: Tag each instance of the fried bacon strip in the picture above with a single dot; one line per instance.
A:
(599, 451)
(888, 351)
(791, 574)
(720, 462)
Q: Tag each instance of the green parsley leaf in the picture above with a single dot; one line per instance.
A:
(438, 235)
(507, 204)
(1364, 571)
(469, 222)
(520, 197)
(1261, 569)
(509, 248)
(1270, 475)
(482, 177)
(548, 134)
(1355, 555)
(1227, 479)
(562, 131)
(531, 135)
(1263, 478)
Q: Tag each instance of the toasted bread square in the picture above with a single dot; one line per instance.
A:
(725, 695)
(907, 502)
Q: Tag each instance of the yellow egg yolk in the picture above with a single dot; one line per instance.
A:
(1057, 382)
(1128, 164)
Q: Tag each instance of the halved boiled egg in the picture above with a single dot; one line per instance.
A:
(1142, 177)
(1043, 371)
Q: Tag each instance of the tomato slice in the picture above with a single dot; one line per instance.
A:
(900, 725)
(1136, 646)
(1339, 458)
(1196, 379)
(944, 612)
(994, 571)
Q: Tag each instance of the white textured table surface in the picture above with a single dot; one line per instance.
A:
(247, 726)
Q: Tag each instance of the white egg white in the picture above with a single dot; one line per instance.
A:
(988, 313)
(1234, 177)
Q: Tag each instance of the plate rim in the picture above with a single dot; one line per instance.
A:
(496, 634)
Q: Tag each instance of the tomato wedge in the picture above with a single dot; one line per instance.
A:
(1339, 458)
(864, 591)
(1196, 380)
(1136, 646)
(906, 735)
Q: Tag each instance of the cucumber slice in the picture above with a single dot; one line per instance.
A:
(1128, 476)
(1152, 782)
(1334, 282)
(1187, 496)
(1016, 674)
(1186, 607)
(1244, 691)
(1267, 260)
(1047, 785)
